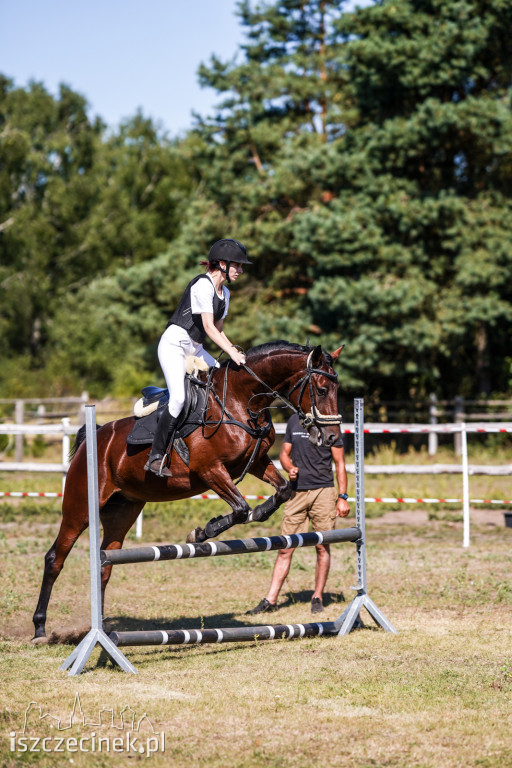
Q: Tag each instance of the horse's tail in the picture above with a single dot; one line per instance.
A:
(80, 437)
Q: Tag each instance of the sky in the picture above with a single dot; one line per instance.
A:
(123, 55)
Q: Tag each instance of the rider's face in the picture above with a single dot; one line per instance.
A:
(235, 269)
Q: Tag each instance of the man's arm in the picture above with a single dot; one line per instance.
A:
(285, 457)
(338, 455)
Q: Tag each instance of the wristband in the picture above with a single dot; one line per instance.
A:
(343, 496)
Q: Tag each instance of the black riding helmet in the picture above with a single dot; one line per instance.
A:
(228, 250)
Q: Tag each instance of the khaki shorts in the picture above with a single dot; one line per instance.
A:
(317, 506)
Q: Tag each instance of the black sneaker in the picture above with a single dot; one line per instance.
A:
(263, 607)
(316, 605)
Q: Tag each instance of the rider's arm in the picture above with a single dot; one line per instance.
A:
(219, 337)
(338, 455)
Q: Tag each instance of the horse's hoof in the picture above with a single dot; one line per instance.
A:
(41, 640)
(194, 536)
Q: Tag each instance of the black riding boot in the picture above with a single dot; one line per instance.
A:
(164, 433)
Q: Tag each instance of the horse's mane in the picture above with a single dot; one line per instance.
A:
(276, 346)
(80, 437)
(283, 346)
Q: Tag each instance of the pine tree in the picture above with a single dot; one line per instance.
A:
(370, 180)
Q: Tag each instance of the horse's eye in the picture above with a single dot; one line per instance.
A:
(322, 391)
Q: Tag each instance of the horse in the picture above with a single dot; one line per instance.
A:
(235, 437)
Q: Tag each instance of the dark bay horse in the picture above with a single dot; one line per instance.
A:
(302, 377)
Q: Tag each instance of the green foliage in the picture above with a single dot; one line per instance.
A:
(75, 205)
(377, 178)
(363, 158)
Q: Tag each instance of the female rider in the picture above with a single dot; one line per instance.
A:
(200, 313)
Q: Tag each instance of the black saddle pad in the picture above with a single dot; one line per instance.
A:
(190, 419)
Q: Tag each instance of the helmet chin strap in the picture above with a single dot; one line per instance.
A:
(226, 271)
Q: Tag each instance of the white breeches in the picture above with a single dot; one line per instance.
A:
(175, 345)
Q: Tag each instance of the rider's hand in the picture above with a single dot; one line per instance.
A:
(237, 357)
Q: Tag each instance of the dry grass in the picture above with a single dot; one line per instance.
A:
(438, 694)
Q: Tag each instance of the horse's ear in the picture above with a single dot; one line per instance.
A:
(317, 356)
(336, 354)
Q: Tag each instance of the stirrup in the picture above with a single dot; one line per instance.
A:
(157, 467)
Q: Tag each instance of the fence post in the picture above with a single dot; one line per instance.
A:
(20, 416)
(465, 485)
(65, 449)
(81, 410)
(459, 417)
(138, 526)
(77, 659)
(432, 436)
(346, 621)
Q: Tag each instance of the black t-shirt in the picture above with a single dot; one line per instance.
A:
(314, 461)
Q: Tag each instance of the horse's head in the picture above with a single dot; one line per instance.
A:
(302, 377)
(314, 395)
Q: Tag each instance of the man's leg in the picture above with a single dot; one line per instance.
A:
(323, 562)
(294, 521)
(323, 518)
(279, 574)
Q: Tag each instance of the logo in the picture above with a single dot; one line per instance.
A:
(132, 734)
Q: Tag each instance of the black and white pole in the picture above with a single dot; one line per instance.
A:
(347, 619)
(96, 634)
(235, 547)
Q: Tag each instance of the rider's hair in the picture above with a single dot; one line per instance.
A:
(212, 265)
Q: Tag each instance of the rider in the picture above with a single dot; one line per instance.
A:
(200, 313)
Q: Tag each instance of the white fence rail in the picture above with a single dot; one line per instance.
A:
(65, 429)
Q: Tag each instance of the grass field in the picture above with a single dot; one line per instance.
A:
(437, 694)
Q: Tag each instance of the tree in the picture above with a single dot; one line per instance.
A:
(280, 103)
(423, 179)
(371, 183)
(75, 204)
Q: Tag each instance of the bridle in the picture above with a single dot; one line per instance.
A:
(313, 417)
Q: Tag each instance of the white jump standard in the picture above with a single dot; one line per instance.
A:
(341, 626)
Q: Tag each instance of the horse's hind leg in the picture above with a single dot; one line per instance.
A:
(117, 517)
(74, 521)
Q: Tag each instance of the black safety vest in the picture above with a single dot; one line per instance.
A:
(193, 323)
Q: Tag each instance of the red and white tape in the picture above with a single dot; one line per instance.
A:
(383, 500)
(32, 495)
(426, 430)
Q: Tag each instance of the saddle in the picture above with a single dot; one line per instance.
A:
(148, 408)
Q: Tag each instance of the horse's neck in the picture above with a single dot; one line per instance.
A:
(276, 373)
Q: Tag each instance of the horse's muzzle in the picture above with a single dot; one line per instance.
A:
(329, 440)
(318, 437)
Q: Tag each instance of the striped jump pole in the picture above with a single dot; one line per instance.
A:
(225, 635)
(235, 547)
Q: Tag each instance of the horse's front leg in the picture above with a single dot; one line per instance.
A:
(219, 480)
(265, 470)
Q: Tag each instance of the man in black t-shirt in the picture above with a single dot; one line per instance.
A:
(314, 499)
